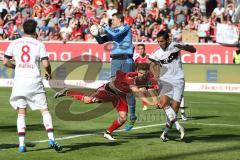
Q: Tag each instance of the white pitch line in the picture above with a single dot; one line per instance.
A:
(210, 124)
(136, 128)
(90, 134)
(214, 103)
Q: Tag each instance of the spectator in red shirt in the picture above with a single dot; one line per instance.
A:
(18, 19)
(48, 8)
(139, 10)
(96, 3)
(154, 11)
(11, 28)
(128, 19)
(135, 33)
(89, 11)
(76, 33)
(141, 59)
(133, 11)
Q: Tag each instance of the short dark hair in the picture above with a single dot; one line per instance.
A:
(163, 34)
(142, 66)
(141, 44)
(119, 16)
(29, 26)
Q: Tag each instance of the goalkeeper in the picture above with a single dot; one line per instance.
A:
(121, 55)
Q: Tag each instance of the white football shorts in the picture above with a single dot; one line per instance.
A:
(173, 89)
(28, 92)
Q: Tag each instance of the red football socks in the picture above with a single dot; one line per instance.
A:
(115, 125)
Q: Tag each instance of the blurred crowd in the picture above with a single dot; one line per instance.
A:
(69, 20)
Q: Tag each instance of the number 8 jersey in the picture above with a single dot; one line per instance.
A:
(27, 53)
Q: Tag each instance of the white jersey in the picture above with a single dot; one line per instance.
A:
(28, 89)
(27, 53)
(170, 60)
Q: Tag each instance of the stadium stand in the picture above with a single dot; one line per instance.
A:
(69, 20)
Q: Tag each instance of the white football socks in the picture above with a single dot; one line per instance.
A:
(182, 106)
(171, 115)
(167, 127)
(21, 126)
(47, 121)
(178, 126)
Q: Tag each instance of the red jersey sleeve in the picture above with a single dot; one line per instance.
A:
(129, 78)
(131, 74)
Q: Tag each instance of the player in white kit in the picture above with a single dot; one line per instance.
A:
(28, 89)
(171, 78)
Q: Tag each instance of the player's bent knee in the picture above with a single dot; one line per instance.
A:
(122, 118)
(21, 111)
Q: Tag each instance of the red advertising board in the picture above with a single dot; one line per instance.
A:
(85, 51)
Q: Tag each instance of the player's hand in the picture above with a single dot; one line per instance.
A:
(143, 89)
(104, 24)
(159, 106)
(48, 76)
(101, 29)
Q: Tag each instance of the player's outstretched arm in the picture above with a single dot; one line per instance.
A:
(7, 63)
(189, 48)
(79, 96)
(136, 91)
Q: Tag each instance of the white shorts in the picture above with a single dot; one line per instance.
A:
(174, 89)
(30, 93)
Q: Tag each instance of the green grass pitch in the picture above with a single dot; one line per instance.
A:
(212, 132)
